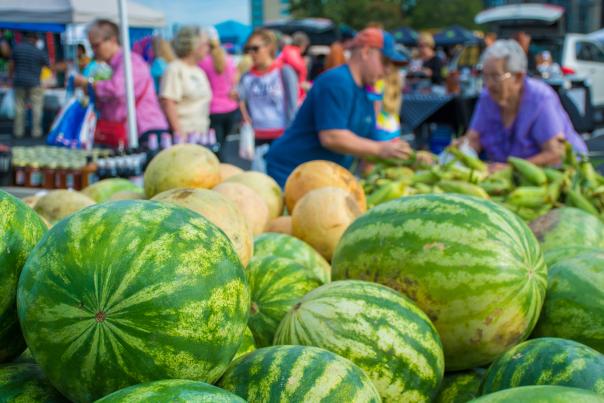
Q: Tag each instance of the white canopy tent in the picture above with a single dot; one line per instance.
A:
(77, 12)
(128, 13)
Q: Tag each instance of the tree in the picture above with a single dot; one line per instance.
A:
(356, 13)
(418, 14)
(450, 12)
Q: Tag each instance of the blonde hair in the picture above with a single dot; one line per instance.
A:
(427, 38)
(393, 97)
(245, 64)
(268, 37)
(218, 55)
(163, 49)
(187, 40)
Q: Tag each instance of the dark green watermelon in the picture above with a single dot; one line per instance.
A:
(25, 382)
(127, 292)
(20, 229)
(574, 302)
(172, 391)
(541, 394)
(547, 361)
(460, 387)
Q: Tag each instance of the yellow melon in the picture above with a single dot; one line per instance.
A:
(318, 174)
(281, 225)
(322, 215)
(219, 210)
(57, 204)
(253, 207)
(228, 170)
(265, 186)
(182, 166)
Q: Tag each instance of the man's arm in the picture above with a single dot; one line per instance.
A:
(552, 152)
(346, 142)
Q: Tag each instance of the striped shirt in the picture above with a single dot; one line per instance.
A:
(29, 61)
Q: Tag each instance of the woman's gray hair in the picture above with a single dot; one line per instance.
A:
(510, 51)
(188, 39)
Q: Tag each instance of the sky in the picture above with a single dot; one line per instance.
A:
(201, 12)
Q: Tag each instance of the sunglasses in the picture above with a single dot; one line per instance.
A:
(252, 48)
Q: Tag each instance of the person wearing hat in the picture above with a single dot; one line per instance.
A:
(337, 120)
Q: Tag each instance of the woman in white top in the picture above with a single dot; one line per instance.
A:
(185, 91)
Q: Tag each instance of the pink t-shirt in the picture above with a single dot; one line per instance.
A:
(111, 95)
(221, 85)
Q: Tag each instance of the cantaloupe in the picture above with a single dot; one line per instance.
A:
(253, 207)
(265, 186)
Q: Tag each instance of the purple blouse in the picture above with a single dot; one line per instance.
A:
(540, 117)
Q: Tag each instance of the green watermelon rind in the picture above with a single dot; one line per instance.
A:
(276, 285)
(574, 302)
(541, 394)
(25, 382)
(283, 245)
(460, 387)
(165, 281)
(375, 327)
(547, 361)
(20, 230)
(171, 390)
(298, 374)
(471, 265)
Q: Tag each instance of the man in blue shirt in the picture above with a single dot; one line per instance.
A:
(337, 119)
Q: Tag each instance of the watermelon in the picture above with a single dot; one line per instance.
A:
(25, 357)
(283, 245)
(547, 361)
(247, 344)
(171, 390)
(553, 256)
(378, 329)
(460, 387)
(298, 374)
(132, 291)
(471, 265)
(20, 229)
(574, 302)
(541, 394)
(25, 382)
(103, 190)
(276, 284)
(568, 226)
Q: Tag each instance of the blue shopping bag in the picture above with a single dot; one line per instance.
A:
(74, 125)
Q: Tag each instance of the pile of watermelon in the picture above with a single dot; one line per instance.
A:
(189, 296)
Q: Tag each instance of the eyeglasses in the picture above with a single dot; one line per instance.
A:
(95, 45)
(252, 48)
(496, 78)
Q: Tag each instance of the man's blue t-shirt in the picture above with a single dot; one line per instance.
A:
(335, 101)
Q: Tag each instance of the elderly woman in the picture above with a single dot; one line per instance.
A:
(516, 115)
(185, 91)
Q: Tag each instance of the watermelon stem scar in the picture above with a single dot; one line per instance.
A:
(254, 308)
(100, 316)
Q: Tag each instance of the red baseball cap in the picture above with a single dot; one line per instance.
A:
(379, 39)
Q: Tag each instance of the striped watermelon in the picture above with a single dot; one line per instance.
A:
(282, 245)
(473, 266)
(541, 394)
(247, 344)
(172, 390)
(375, 327)
(20, 229)
(555, 255)
(568, 226)
(460, 387)
(25, 382)
(574, 302)
(132, 291)
(298, 374)
(103, 190)
(276, 284)
(25, 357)
(547, 361)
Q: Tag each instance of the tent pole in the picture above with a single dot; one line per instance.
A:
(132, 132)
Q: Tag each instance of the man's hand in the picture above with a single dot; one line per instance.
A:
(497, 166)
(397, 149)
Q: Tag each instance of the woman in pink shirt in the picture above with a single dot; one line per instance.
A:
(223, 77)
(111, 94)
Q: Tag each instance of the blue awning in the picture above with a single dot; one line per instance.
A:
(37, 27)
